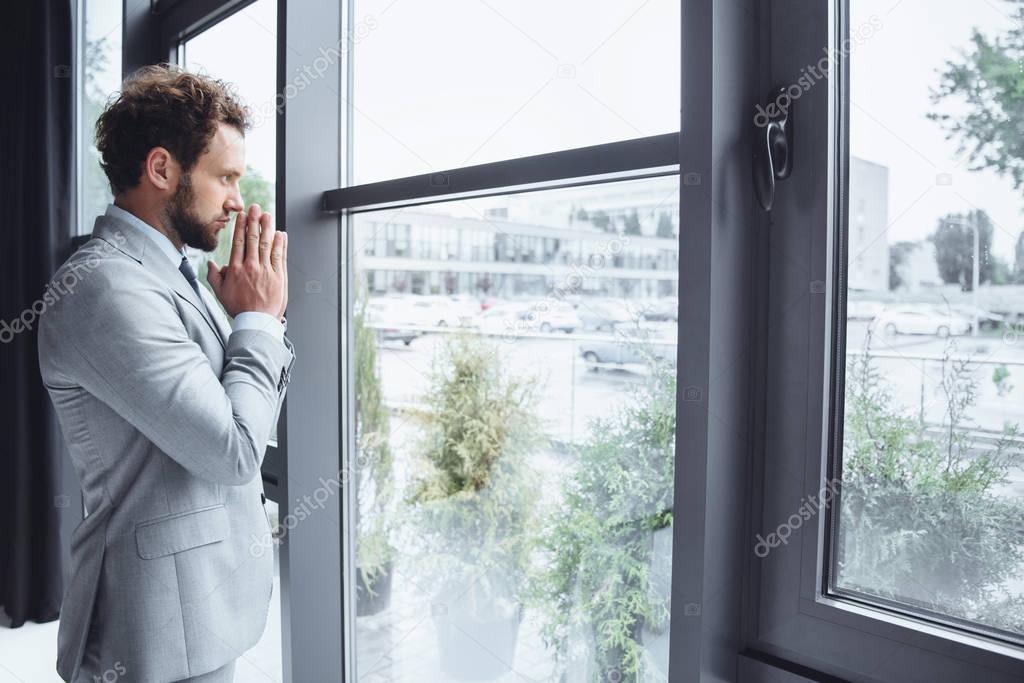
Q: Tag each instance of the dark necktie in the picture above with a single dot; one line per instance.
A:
(190, 275)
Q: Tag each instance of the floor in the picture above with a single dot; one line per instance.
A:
(29, 654)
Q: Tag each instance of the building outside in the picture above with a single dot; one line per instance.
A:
(618, 240)
(868, 246)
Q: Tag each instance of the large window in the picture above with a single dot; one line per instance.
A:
(932, 469)
(515, 361)
(513, 351)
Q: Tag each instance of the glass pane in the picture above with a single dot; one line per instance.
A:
(515, 380)
(525, 77)
(101, 77)
(214, 52)
(932, 476)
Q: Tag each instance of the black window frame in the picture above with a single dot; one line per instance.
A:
(795, 621)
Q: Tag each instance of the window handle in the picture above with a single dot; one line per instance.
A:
(773, 146)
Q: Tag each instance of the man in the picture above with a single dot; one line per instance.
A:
(165, 409)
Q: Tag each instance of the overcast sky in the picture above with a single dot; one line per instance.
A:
(891, 73)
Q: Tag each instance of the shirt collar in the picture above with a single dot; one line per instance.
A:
(161, 240)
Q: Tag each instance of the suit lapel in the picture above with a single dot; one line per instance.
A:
(134, 243)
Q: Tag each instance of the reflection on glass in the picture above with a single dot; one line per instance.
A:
(933, 459)
(529, 77)
(516, 426)
(101, 76)
(214, 53)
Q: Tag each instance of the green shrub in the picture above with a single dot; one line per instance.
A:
(919, 520)
(475, 495)
(598, 577)
(375, 462)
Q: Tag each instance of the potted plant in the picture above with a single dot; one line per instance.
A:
(603, 587)
(374, 474)
(474, 498)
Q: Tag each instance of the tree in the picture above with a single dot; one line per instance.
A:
(601, 219)
(989, 80)
(256, 189)
(898, 254)
(631, 224)
(954, 247)
(665, 226)
(95, 187)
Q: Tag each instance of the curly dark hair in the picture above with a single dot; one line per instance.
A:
(163, 106)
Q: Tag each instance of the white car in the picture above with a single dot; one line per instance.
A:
(920, 320)
(498, 319)
(540, 316)
(417, 311)
(985, 318)
(863, 310)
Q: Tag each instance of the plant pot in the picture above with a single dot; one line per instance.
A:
(474, 648)
(377, 596)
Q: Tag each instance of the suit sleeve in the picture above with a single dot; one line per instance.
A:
(134, 354)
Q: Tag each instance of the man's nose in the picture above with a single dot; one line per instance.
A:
(235, 202)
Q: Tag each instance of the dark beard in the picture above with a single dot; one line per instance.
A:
(190, 228)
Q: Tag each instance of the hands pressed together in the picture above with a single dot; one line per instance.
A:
(256, 276)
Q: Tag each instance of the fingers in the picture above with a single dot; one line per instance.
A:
(284, 304)
(213, 276)
(238, 239)
(266, 239)
(252, 236)
(277, 253)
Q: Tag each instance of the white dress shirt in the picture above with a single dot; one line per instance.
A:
(246, 320)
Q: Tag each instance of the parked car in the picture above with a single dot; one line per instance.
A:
(498, 318)
(985, 318)
(551, 317)
(419, 311)
(538, 316)
(446, 310)
(666, 309)
(380, 315)
(920, 320)
(863, 310)
(631, 345)
(602, 315)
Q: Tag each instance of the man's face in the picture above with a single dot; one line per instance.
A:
(206, 195)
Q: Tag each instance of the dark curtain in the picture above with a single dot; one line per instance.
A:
(36, 210)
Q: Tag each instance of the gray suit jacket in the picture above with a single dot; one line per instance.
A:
(166, 415)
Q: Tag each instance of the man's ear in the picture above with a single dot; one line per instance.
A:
(160, 169)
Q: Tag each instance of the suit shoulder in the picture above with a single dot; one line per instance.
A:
(95, 276)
